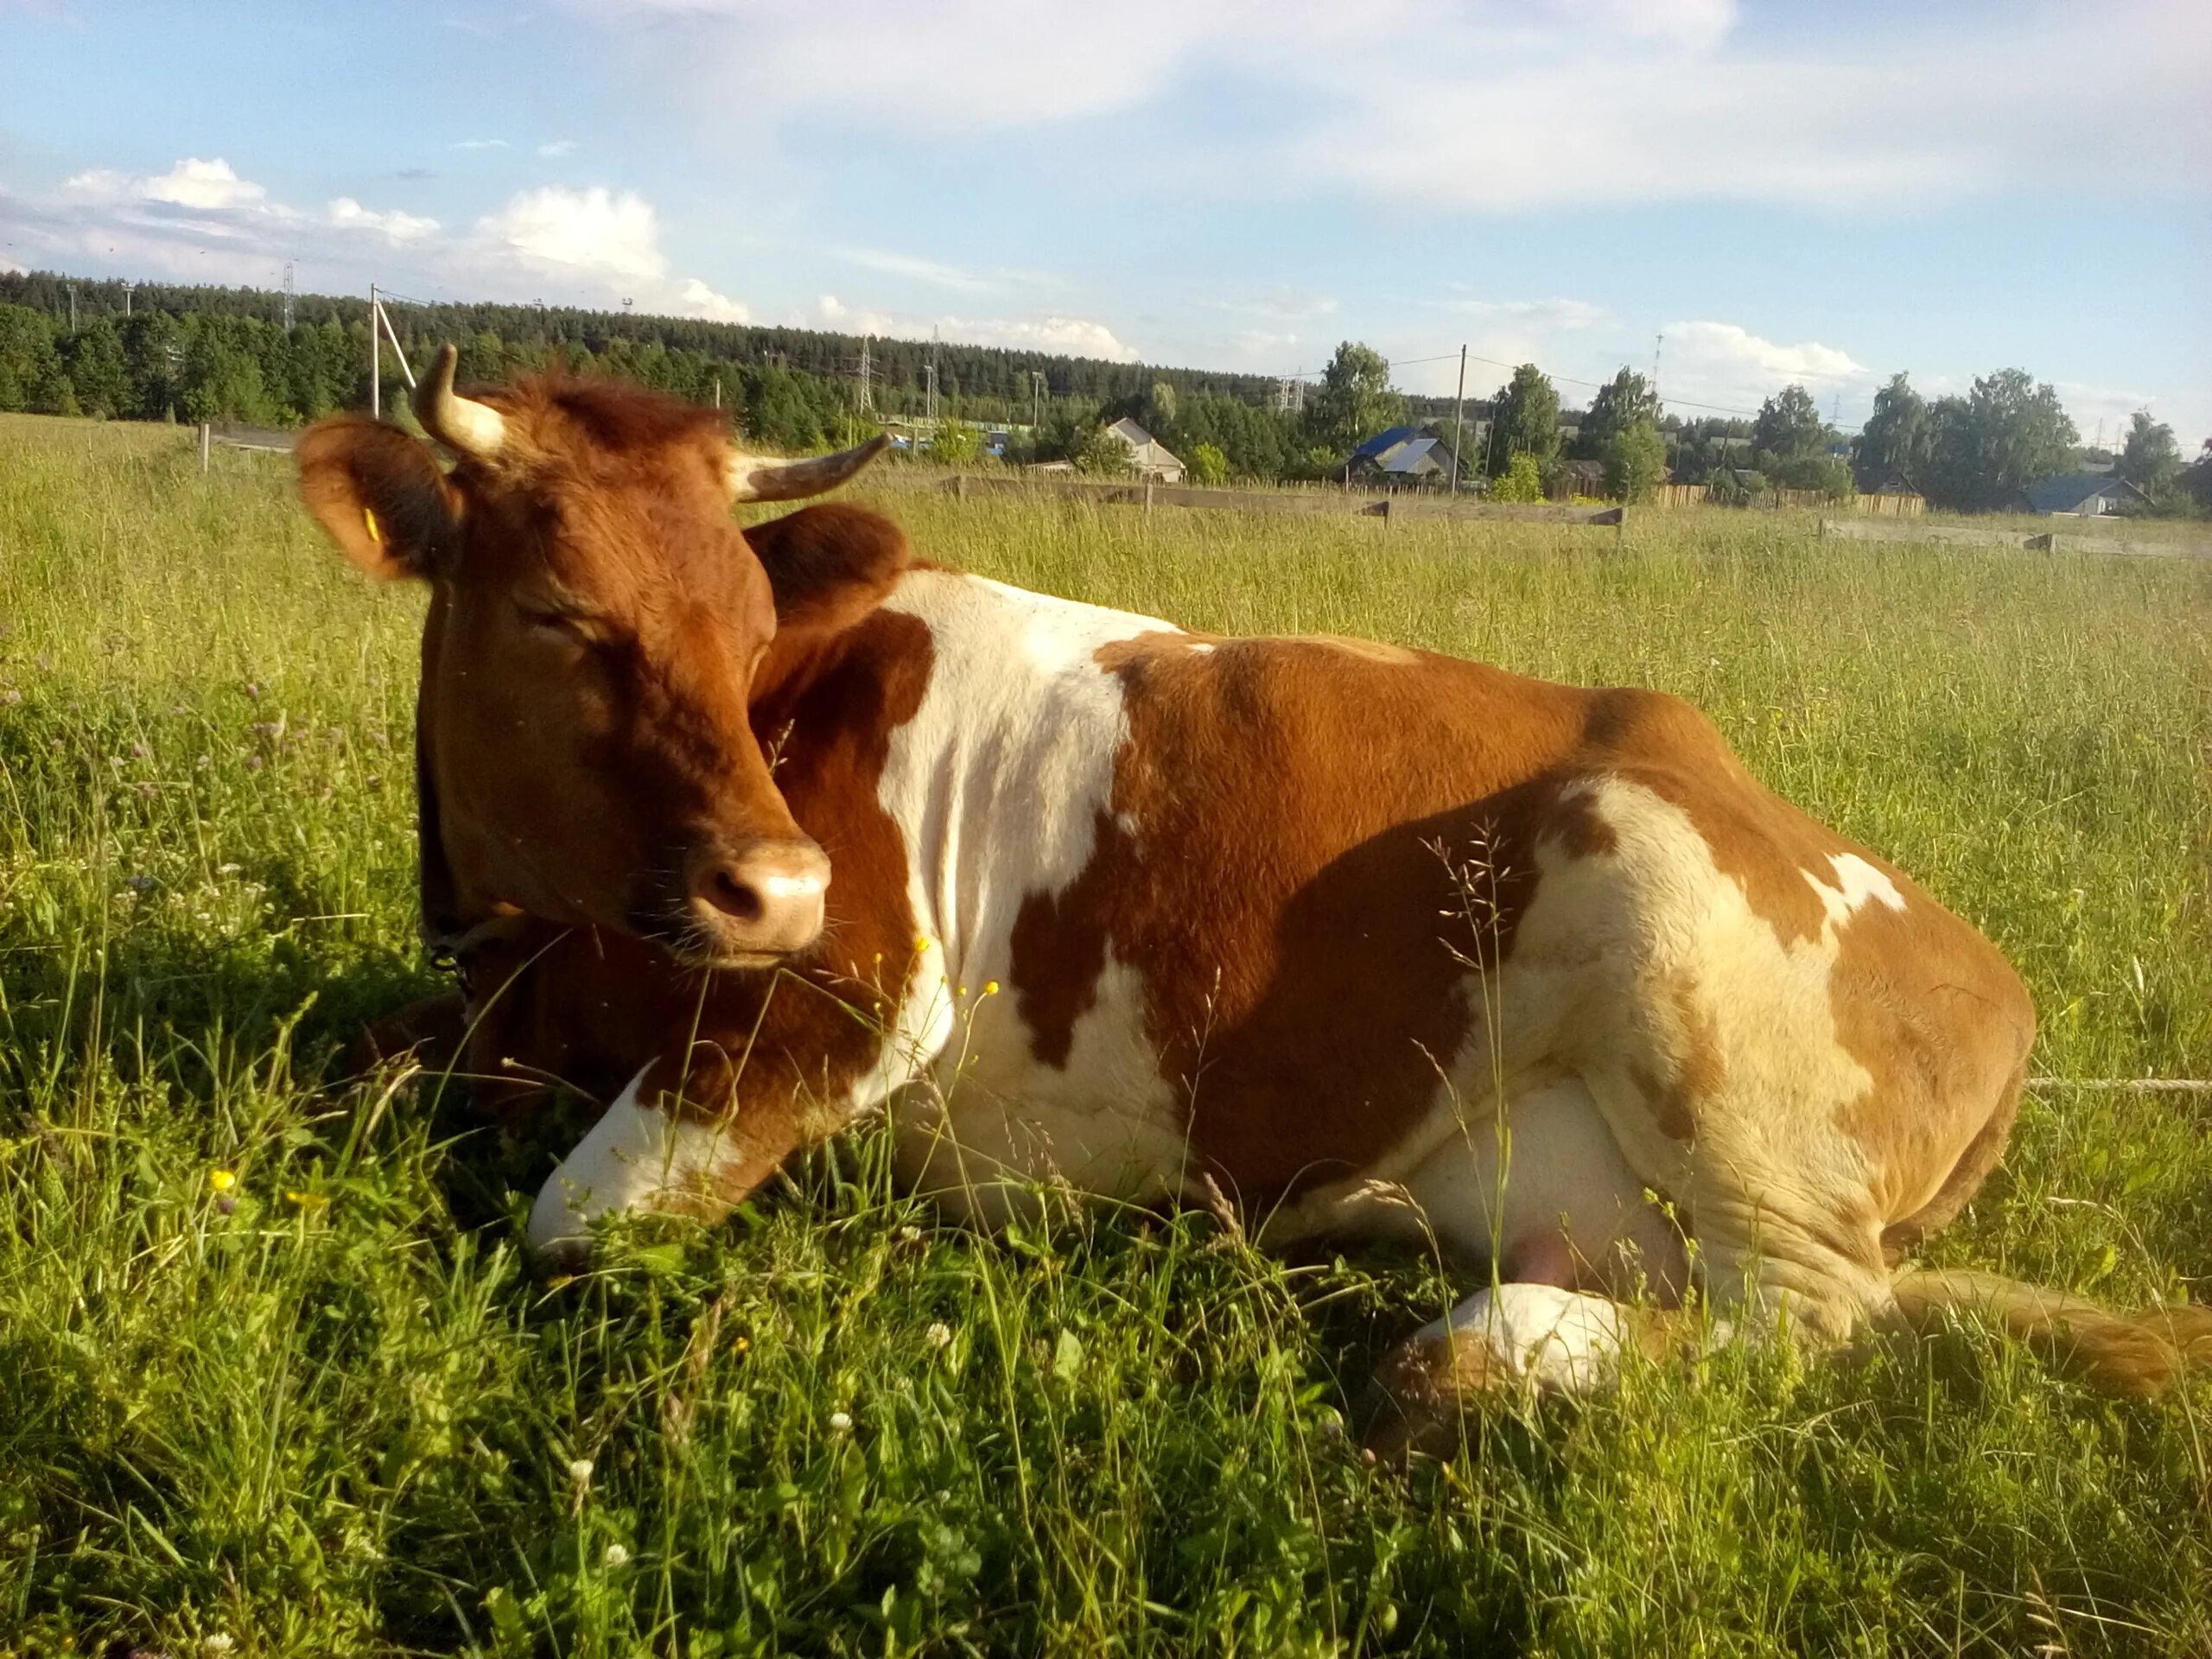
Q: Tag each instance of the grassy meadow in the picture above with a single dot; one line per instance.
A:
(276, 1379)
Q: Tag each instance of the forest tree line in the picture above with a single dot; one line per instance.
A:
(159, 351)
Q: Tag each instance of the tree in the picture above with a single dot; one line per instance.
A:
(1524, 420)
(1619, 404)
(2196, 478)
(1353, 401)
(1636, 461)
(97, 371)
(1104, 454)
(1893, 446)
(956, 442)
(1521, 481)
(1159, 409)
(1208, 465)
(1789, 427)
(1985, 448)
(2150, 459)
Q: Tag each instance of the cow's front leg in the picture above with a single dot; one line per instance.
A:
(659, 1159)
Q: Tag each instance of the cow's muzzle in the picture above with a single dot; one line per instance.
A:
(752, 905)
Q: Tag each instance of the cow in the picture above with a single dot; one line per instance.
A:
(760, 832)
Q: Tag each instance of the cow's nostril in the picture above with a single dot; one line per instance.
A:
(734, 898)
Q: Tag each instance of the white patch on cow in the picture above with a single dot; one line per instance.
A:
(1542, 1180)
(1631, 940)
(1857, 884)
(1626, 965)
(1201, 648)
(1539, 1335)
(996, 785)
(635, 1158)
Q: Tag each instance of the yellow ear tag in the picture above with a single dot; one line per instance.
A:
(370, 520)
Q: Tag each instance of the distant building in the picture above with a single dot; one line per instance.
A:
(1148, 457)
(1583, 477)
(1403, 454)
(2088, 494)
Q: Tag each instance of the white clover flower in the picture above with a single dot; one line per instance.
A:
(940, 1335)
(616, 1556)
(579, 1470)
(840, 1422)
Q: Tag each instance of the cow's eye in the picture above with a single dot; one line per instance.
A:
(569, 625)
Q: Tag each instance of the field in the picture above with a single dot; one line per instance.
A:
(275, 1379)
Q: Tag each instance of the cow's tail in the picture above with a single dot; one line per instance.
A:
(2132, 1355)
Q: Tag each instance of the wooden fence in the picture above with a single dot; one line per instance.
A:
(1862, 530)
(1390, 509)
(232, 435)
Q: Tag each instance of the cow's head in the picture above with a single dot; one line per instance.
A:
(596, 622)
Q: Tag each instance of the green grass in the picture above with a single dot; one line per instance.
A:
(340, 1416)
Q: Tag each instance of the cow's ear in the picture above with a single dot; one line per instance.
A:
(377, 493)
(829, 566)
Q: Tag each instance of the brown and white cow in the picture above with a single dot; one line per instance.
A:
(791, 832)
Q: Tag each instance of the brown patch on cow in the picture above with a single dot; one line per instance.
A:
(1059, 950)
(1309, 852)
(1696, 1070)
(1943, 1026)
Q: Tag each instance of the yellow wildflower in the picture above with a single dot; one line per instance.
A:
(221, 1181)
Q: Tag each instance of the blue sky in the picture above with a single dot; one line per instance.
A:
(1764, 193)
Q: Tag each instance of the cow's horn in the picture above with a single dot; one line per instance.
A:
(463, 425)
(752, 479)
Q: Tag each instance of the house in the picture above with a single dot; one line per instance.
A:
(1584, 478)
(2088, 494)
(1402, 454)
(1148, 457)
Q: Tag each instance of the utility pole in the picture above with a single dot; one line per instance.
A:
(290, 295)
(127, 286)
(867, 396)
(930, 402)
(376, 360)
(1036, 399)
(72, 309)
(1458, 402)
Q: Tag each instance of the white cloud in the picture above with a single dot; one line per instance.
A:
(1722, 364)
(1281, 303)
(934, 272)
(557, 148)
(701, 301)
(480, 144)
(1075, 336)
(348, 215)
(211, 186)
(1489, 105)
(1540, 316)
(200, 222)
(594, 231)
(1045, 332)
(605, 240)
(202, 184)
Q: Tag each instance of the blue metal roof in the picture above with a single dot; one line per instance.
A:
(1381, 442)
(2068, 490)
(1407, 457)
